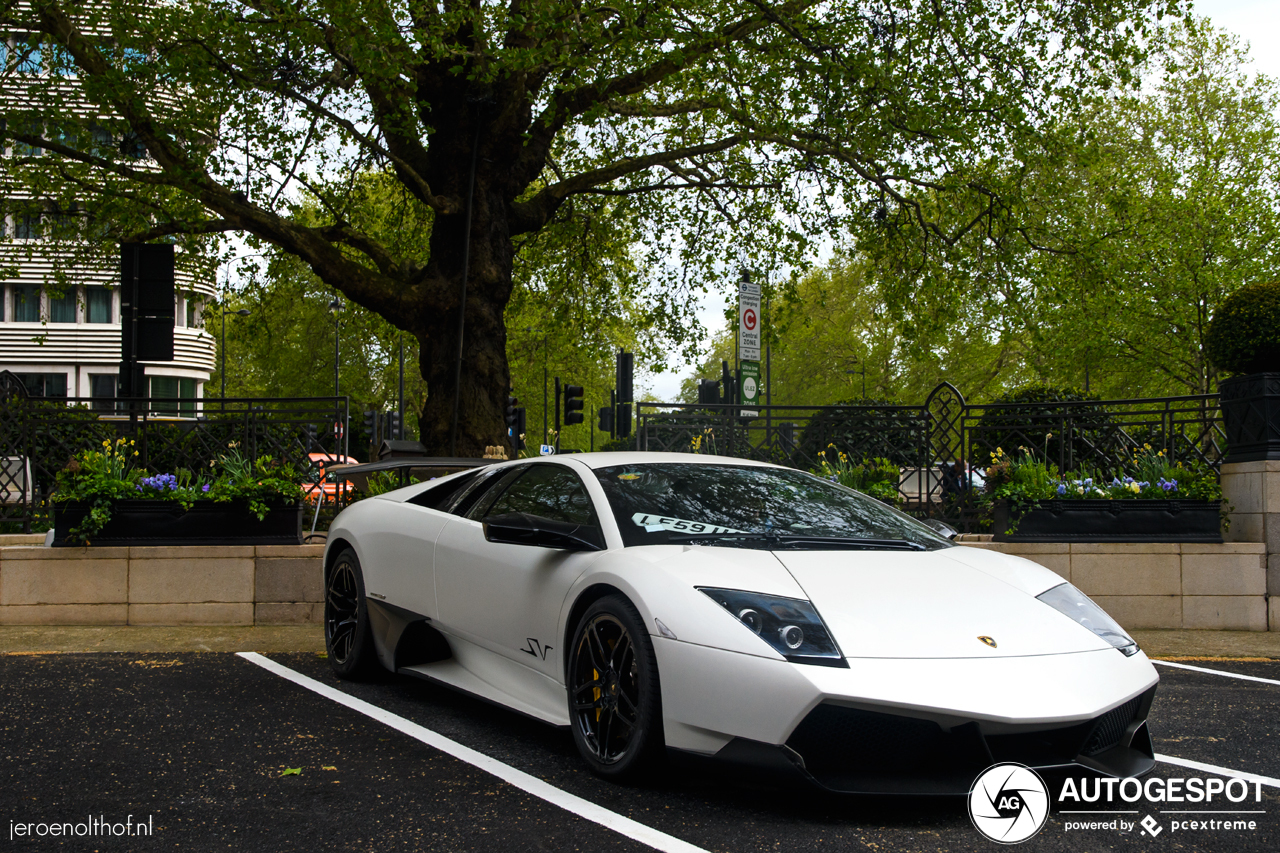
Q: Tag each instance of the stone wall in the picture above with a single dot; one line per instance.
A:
(1158, 585)
(230, 585)
(1142, 585)
(1252, 490)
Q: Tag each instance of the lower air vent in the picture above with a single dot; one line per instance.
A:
(848, 738)
(1109, 728)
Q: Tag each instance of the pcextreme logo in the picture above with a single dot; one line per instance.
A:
(1009, 803)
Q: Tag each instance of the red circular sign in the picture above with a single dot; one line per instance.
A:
(749, 319)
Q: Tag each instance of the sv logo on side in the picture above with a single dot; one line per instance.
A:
(536, 649)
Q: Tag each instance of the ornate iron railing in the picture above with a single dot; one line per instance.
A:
(39, 436)
(939, 445)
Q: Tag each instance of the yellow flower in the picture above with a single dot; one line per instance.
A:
(106, 444)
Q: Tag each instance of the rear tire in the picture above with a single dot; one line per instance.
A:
(615, 706)
(347, 635)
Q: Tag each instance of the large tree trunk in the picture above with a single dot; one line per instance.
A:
(485, 379)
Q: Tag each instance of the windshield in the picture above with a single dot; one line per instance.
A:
(753, 508)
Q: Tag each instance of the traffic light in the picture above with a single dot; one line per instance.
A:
(728, 383)
(708, 392)
(625, 371)
(509, 414)
(606, 419)
(622, 424)
(371, 425)
(392, 424)
(572, 404)
(517, 432)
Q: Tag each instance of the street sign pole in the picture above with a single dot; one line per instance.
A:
(748, 341)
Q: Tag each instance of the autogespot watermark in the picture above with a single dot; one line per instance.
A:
(1010, 803)
(92, 827)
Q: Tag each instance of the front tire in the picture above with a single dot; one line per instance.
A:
(615, 707)
(347, 636)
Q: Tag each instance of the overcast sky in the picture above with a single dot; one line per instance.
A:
(1256, 21)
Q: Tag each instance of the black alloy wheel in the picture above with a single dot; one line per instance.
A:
(346, 619)
(614, 700)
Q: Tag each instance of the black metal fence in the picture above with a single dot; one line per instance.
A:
(942, 446)
(39, 436)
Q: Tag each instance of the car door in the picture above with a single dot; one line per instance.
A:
(507, 598)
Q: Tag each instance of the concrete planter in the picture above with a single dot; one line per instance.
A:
(1251, 416)
(1112, 521)
(167, 523)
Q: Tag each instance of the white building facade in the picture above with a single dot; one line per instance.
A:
(59, 319)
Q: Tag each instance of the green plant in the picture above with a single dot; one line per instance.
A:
(100, 478)
(1244, 334)
(875, 477)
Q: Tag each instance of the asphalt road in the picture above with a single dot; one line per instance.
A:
(199, 745)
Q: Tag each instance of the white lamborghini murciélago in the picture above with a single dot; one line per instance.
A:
(750, 612)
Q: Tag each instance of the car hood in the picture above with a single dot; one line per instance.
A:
(935, 604)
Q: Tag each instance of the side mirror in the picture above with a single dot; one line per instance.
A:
(941, 528)
(521, 528)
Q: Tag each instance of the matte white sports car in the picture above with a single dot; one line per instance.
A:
(745, 611)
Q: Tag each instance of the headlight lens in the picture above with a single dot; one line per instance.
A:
(791, 626)
(1071, 602)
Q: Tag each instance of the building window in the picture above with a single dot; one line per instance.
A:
(26, 304)
(171, 388)
(62, 309)
(44, 384)
(103, 388)
(97, 304)
(26, 226)
(27, 56)
(189, 316)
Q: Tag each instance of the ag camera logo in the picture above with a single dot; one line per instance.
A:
(1009, 803)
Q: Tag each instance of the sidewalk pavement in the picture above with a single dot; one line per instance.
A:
(18, 639)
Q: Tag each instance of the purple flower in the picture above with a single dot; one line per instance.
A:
(1062, 488)
(205, 487)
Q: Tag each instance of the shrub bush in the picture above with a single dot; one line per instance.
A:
(1034, 417)
(1244, 334)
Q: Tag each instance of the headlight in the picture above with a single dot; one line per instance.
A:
(789, 625)
(1071, 602)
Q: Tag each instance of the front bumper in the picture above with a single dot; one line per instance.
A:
(909, 725)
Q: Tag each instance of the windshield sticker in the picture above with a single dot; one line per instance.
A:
(629, 477)
(654, 523)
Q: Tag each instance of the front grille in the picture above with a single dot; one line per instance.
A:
(1110, 727)
(850, 738)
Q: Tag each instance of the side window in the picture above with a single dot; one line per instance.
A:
(477, 492)
(550, 491)
(440, 496)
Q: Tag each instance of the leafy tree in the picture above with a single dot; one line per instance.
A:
(727, 131)
(1147, 209)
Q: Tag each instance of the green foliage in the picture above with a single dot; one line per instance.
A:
(1153, 205)
(1025, 480)
(1034, 417)
(875, 477)
(669, 112)
(863, 429)
(1244, 334)
(103, 477)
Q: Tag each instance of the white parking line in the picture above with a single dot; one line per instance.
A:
(1216, 672)
(1220, 771)
(525, 782)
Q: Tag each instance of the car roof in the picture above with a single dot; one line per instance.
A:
(641, 457)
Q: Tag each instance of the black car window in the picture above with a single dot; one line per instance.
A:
(468, 497)
(550, 491)
(478, 507)
(751, 507)
(439, 497)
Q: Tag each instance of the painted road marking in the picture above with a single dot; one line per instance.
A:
(1216, 672)
(525, 782)
(1220, 771)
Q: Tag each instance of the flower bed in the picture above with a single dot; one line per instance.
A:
(1109, 520)
(102, 499)
(1149, 500)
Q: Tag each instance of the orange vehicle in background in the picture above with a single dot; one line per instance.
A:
(319, 487)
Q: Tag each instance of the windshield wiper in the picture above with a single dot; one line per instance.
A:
(788, 539)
